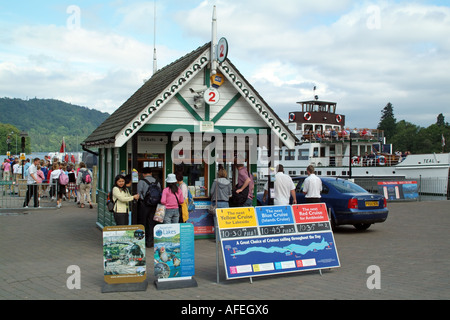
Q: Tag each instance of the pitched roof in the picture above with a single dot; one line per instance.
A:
(106, 132)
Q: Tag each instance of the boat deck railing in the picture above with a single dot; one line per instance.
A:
(344, 135)
(377, 160)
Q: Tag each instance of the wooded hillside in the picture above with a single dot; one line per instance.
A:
(46, 121)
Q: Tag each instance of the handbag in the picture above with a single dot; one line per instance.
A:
(160, 213)
(184, 213)
(110, 205)
(238, 199)
(212, 208)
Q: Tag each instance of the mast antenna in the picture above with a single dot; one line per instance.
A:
(155, 64)
(214, 42)
(315, 96)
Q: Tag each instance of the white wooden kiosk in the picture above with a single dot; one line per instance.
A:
(183, 101)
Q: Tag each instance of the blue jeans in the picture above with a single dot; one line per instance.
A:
(248, 203)
(221, 204)
(171, 216)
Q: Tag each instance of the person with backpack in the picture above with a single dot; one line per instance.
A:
(72, 185)
(64, 179)
(121, 197)
(149, 191)
(57, 187)
(84, 183)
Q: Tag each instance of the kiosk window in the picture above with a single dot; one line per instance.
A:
(195, 176)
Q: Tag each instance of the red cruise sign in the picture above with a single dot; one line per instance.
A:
(314, 212)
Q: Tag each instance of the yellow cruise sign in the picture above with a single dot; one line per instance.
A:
(236, 217)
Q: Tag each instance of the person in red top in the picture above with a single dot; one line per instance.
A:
(6, 166)
(244, 180)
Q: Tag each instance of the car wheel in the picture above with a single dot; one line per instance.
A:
(362, 226)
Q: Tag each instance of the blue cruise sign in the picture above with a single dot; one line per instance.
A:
(276, 239)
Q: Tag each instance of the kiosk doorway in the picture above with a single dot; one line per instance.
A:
(153, 161)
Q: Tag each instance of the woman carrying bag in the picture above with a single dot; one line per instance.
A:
(172, 198)
(221, 191)
(121, 196)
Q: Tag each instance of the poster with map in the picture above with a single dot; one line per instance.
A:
(276, 239)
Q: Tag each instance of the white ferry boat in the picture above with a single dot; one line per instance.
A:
(337, 150)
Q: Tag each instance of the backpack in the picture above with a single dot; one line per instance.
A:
(86, 177)
(71, 175)
(153, 195)
(110, 203)
(63, 179)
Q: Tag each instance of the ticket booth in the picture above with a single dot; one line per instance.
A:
(186, 119)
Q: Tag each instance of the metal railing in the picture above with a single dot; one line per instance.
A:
(429, 189)
(104, 217)
(13, 193)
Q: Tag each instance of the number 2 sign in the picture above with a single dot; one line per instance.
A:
(222, 50)
(211, 96)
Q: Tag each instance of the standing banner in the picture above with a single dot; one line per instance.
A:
(398, 190)
(202, 221)
(276, 239)
(124, 254)
(174, 251)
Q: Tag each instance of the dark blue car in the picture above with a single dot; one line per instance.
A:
(347, 203)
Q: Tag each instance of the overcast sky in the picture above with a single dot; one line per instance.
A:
(360, 54)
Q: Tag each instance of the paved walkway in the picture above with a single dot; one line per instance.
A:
(411, 249)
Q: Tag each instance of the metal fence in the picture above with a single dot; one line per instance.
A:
(12, 195)
(436, 188)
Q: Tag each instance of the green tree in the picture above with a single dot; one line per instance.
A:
(8, 130)
(388, 122)
(409, 137)
(405, 135)
(47, 121)
(440, 120)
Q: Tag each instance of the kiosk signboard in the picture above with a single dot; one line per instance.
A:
(201, 219)
(124, 254)
(276, 239)
(174, 250)
(398, 190)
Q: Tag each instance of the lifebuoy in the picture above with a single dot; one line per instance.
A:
(307, 116)
(381, 160)
(291, 116)
(338, 118)
(355, 160)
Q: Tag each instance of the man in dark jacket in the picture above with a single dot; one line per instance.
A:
(146, 213)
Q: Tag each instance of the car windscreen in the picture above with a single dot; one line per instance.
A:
(344, 186)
